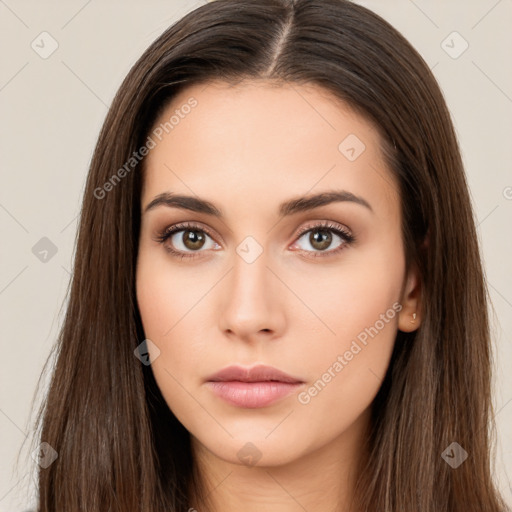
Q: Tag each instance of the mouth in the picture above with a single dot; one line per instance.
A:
(254, 387)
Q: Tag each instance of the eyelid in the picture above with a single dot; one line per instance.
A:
(326, 224)
(181, 226)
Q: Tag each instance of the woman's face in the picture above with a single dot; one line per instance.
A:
(265, 274)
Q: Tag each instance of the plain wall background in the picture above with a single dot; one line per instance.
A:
(51, 113)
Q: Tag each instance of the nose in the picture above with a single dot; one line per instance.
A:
(253, 302)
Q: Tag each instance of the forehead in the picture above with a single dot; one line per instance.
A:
(264, 140)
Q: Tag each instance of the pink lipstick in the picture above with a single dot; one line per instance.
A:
(254, 387)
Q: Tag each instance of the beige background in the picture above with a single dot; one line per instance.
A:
(51, 113)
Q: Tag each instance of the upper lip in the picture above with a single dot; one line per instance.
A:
(259, 373)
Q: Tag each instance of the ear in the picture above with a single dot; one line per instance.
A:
(409, 318)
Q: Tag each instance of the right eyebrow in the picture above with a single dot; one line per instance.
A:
(184, 202)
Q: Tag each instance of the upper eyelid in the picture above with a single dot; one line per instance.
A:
(182, 226)
(325, 224)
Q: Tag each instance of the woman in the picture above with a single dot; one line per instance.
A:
(277, 301)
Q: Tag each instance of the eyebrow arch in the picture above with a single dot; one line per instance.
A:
(290, 207)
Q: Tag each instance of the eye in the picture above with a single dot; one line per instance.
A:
(185, 240)
(323, 236)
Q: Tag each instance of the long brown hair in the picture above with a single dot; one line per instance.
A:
(119, 446)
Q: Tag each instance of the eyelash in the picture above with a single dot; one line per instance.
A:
(344, 234)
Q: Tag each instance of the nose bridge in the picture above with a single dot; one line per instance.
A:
(251, 304)
(249, 276)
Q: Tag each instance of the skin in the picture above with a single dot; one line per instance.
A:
(246, 148)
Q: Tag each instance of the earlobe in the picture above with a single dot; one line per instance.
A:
(409, 318)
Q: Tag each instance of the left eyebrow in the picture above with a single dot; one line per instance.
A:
(290, 207)
(301, 204)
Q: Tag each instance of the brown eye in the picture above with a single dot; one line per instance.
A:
(320, 239)
(193, 239)
(324, 239)
(186, 240)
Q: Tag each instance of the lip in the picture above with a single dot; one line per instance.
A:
(253, 387)
(258, 373)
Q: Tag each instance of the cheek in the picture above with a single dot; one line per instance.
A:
(166, 294)
(358, 302)
(155, 298)
(170, 303)
(350, 297)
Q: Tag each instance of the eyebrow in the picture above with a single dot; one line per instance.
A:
(290, 207)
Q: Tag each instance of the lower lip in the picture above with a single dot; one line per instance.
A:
(252, 395)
